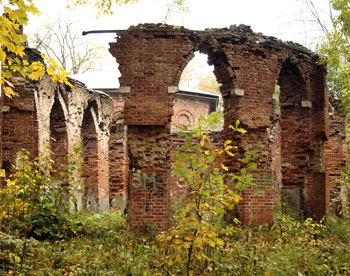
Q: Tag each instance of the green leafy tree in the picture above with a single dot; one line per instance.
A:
(336, 50)
(191, 245)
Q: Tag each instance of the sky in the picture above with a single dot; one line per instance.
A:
(284, 19)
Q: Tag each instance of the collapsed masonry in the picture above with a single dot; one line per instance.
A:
(301, 148)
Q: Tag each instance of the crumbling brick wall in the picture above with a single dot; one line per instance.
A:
(118, 155)
(249, 66)
(294, 159)
(46, 109)
(335, 151)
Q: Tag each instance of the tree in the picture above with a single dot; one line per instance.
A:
(208, 82)
(61, 41)
(13, 41)
(336, 50)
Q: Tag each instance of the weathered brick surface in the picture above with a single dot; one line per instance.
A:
(46, 109)
(19, 124)
(149, 201)
(118, 155)
(295, 159)
(188, 108)
(248, 65)
(335, 156)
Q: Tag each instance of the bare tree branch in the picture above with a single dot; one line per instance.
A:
(63, 42)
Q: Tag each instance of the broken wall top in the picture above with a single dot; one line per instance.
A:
(152, 58)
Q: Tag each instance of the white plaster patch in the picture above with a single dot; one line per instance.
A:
(237, 92)
(306, 104)
(124, 89)
(173, 89)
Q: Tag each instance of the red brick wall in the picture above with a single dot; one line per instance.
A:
(59, 137)
(148, 181)
(335, 155)
(292, 155)
(46, 109)
(151, 61)
(118, 155)
(90, 159)
(19, 123)
(248, 66)
(187, 110)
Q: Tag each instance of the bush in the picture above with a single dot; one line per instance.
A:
(192, 245)
(35, 202)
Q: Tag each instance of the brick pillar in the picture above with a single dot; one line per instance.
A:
(151, 60)
(149, 202)
(19, 123)
(118, 156)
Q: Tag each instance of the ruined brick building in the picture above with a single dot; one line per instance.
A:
(301, 148)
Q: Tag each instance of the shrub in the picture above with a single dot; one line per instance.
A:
(36, 199)
(192, 245)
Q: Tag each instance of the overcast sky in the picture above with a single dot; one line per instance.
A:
(285, 19)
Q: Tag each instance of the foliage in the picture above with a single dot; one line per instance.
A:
(290, 247)
(107, 6)
(12, 42)
(37, 198)
(335, 48)
(189, 247)
(208, 82)
(102, 6)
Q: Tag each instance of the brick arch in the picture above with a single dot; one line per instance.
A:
(58, 132)
(152, 58)
(187, 115)
(90, 157)
(295, 125)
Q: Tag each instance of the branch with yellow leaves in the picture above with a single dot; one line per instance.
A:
(13, 43)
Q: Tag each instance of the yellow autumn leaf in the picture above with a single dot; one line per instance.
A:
(2, 55)
(224, 167)
(178, 259)
(2, 173)
(9, 92)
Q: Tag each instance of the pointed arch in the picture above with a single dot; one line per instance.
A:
(58, 134)
(295, 127)
(90, 157)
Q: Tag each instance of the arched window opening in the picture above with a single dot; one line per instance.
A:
(59, 137)
(294, 127)
(90, 156)
(199, 94)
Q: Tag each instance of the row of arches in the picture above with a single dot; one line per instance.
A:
(67, 118)
(248, 66)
